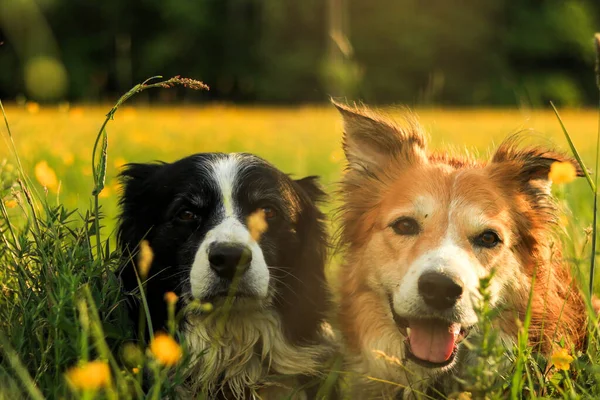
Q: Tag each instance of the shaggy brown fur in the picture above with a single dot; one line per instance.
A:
(388, 167)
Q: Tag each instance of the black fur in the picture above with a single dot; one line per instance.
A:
(294, 245)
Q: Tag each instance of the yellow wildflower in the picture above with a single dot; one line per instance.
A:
(76, 112)
(257, 225)
(561, 359)
(562, 172)
(171, 298)
(165, 350)
(11, 203)
(135, 370)
(68, 158)
(145, 257)
(46, 175)
(92, 375)
(32, 107)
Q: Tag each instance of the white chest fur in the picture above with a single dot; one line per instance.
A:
(241, 353)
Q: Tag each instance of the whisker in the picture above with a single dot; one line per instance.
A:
(289, 273)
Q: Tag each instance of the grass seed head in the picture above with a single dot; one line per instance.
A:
(387, 358)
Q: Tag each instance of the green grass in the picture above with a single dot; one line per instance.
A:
(60, 303)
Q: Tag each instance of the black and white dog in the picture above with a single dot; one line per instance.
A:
(194, 214)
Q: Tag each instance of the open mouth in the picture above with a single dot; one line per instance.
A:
(431, 342)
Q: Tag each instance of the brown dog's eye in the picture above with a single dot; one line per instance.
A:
(487, 239)
(270, 212)
(186, 216)
(406, 226)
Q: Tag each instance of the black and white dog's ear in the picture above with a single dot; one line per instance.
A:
(311, 186)
(137, 173)
(136, 203)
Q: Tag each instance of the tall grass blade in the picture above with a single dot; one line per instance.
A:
(574, 150)
(146, 309)
(26, 379)
(327, 389)
(522, 353)
(97, 333)
(99, 171)
(22, 174)
(595, 221)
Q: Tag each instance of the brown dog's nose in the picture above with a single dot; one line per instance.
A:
(439, 291)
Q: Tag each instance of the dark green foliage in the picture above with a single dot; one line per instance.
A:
(43, 275)
(401, 51)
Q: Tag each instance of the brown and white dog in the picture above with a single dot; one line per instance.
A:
(420, 230)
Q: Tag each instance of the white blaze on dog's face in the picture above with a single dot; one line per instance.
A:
(195, 215)
(228, 247)
(423, 229)
(437, 232)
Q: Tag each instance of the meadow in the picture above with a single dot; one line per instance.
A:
(68, 313)
(301, 141)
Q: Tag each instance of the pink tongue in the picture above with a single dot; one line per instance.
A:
(432, 340)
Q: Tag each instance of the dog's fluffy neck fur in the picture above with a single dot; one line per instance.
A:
(243, 351)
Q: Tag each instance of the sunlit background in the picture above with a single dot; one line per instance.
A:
(475, 71)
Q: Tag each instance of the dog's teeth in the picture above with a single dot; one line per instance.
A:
(408, 331)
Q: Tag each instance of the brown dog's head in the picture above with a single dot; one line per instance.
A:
(422, 229)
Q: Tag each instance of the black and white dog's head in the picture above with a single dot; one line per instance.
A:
(194, 215)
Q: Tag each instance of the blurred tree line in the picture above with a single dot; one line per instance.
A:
(455, 52)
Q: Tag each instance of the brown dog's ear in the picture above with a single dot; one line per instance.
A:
(531, 164)
(370, 140)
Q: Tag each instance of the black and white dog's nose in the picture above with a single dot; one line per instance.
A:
(439, 291)
(227, 259)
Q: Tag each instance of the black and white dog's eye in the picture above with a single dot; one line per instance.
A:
(186, 216)
(270, 212)
(487, 239)
(406, 226)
